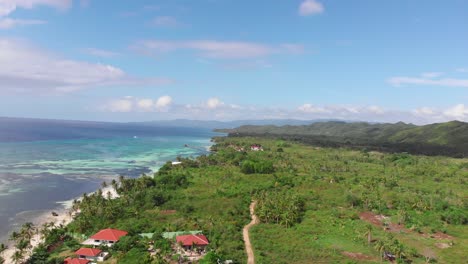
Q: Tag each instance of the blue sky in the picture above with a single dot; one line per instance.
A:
(233, 59)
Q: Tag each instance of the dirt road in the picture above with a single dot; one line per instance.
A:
(245, 232)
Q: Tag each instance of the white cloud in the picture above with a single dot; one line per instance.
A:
(342, 111)
(424, 111)
(309, 108)
(26, 69)
(425, 80)
(100, 53)
(432, 115)
(9, 6)
(430, 75)
(214, 103)
(165, 21)
(464, 70)
(217, 49)
(375, 109)
(120, 106)
(7, 23)
(163, 102)
(310, 7)
(135, 104)
(215, 109)
(145, 104)
(459, 112)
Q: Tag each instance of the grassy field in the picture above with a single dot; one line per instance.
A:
(329, 191)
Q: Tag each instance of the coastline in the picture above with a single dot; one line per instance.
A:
(64, 217)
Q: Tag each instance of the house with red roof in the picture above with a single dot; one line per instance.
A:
(76, 261)
(189, 242)
(91, 254)
(107, 237)
(256, 147)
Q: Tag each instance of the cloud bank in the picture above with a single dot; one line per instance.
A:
(310, 7)
(7, 7)
(216, 109)
(27, 69)
(132, 104)
(429, 79)
(217, 49)
(7, 23)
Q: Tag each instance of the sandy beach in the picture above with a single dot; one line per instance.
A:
(64, 217)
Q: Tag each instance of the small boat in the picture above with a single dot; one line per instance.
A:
(135, 137)
(54, 214)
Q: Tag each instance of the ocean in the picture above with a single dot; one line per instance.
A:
(45, 164)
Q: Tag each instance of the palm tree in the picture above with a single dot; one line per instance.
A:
(398, 249)
(380, 246)
(401, 216)
(14, 236)
(2, 260)
(27, 230)
(114, 184)
(211, 223)
(2, 247)
(17, 257)
(368, 233)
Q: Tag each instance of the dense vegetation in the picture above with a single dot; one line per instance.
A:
(317, 205)
(450, 139)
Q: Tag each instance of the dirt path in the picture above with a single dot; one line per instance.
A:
(245, 232)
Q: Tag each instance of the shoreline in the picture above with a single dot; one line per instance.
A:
(64, 218)
(64, 215)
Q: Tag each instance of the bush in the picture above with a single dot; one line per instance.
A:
(261, 167)
(171, 181)
(136, 255)
(455, 216)
(248, 167)
(279, 206)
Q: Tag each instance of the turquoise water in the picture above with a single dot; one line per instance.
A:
(37, 176)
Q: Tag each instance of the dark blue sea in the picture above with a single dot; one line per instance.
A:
(44, 163)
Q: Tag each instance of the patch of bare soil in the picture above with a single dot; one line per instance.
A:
(372, 218)
(438, 235)
(358, 256)
(397, 228)
(168, 212)
(442, 245)
(379, 220)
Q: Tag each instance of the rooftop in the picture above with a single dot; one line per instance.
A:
(88, 252)
(109, 234)
(189, 240)
(76, 261)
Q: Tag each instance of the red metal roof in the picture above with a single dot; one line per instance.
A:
(88, 252)
(76, 261)
(109, 234)
(189, 240)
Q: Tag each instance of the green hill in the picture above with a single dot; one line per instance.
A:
(449, 138)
